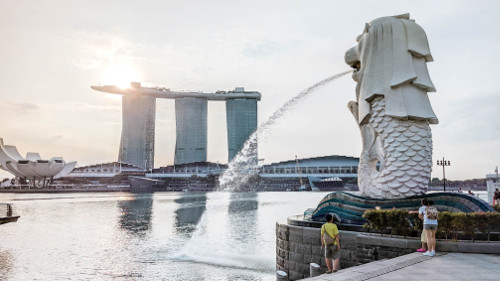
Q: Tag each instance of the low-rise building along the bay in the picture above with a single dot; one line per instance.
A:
(319, 173)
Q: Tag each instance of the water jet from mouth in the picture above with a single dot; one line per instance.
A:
(244, 166)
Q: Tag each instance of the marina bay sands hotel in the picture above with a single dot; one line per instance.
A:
(138, 122)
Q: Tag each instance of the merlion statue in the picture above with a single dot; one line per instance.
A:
(392, 107)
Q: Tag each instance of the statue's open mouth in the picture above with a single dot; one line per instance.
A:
(352, 59)
(356, 65)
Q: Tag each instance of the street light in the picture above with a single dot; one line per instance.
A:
(496, 171)
(444, 163)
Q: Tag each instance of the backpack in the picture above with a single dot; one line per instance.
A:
(328, 239)
(431, 212)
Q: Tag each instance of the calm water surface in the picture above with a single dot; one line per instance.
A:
(160, 236)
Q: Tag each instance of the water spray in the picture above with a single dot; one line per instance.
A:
(244, 167)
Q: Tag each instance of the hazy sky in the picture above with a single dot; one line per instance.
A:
(52, 51)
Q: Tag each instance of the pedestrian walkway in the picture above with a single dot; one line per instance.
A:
(443, 266)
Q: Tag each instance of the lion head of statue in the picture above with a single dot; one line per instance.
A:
(390, 60)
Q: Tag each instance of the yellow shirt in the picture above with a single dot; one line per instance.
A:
(331, 229)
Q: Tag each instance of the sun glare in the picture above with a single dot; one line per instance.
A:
(121, 75)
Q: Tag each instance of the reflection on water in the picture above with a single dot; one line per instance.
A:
(243, 202)
(160, 236)
(188, 214)
(6, 264)
(135, 214)
(242, 212)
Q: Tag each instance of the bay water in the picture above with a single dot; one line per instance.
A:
(160, 236)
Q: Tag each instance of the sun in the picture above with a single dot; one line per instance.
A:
(121, 75)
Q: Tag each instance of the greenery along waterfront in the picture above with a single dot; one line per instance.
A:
(452, 225)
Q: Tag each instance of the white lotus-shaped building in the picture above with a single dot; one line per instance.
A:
(33, 167)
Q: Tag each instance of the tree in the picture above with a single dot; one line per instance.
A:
(435, 181)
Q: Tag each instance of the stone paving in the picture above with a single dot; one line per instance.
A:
(443, 266)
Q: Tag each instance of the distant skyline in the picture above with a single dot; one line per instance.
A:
(53, 51)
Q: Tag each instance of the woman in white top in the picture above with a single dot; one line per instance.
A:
(430, 228)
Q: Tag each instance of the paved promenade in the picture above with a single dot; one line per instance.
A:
(444, 266)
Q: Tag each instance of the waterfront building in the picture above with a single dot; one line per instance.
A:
(191, 130)
(324, 173)
(32, 170)
(138, 128)
(105, 170)
(138, 131)
(241, 116)
(99, 177)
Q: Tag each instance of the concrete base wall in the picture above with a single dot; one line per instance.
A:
(298, 246)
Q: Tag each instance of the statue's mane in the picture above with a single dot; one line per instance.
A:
(393, 52)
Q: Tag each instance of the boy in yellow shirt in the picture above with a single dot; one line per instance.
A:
(330, 241)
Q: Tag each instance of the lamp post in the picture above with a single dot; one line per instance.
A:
(496, 171)
(444, 163)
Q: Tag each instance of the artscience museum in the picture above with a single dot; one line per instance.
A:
(32, 169)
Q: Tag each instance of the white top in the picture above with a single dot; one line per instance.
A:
(421, 210)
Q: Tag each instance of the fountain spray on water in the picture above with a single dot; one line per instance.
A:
(243, 167)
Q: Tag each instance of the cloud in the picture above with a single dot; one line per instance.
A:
(472, 118)
(263, 49)
(81, 107)
(31, 108)
(54, 138)
(467, 134)
(24, 107)
(95, 49)
(268, 48)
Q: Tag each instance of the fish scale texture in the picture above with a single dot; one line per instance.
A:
(406, 149)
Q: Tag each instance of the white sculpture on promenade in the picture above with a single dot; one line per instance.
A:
(392, 108)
